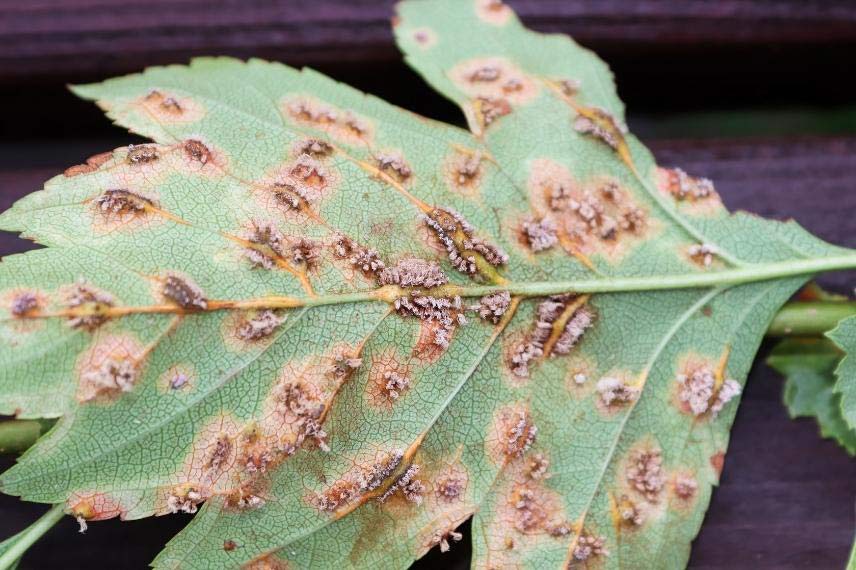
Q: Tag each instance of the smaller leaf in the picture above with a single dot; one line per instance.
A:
(809, 368)
(844, 335)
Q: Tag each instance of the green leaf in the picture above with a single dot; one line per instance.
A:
(347, 329)
(844, 335)
(809, 369)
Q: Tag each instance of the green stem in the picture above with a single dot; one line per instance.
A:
(810, 318)
(17, 436)
(30, 535)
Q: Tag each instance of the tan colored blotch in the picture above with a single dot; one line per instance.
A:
(511, 434)
(615, 390)
(694, 195)
(93, 506)
(550, 185)
(112, 365)
(343, 125)
(23, 303)
(464, 170)
(494, 79)
(717, 462)
(685, 486)
(183, 292)
(267, 562)
(170, 108)
(92, 164)
(628, 513)
(493, 12)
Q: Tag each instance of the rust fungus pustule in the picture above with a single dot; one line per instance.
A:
(458, 238)
(602, 125)
(685, 188)
(365, 260)
(170, 107)
(588, 547)
(266, 244)
(260, 325)
(111, 366)
(141, 154)
(701, 393)
(119, 204)
(183, 293)
(24, 303)
(88, 306)
(465, 170)
(561, 322)
(685, 487)
(359, 481)
(645, 473)
(539, 234)
(493, 306)
(316, 148)
(512, 434)
(394, 166)
(408, 486)
(342, 125)
(450, 484)
(614, 391)
(197, 151)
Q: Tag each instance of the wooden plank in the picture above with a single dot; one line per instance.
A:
(73, 37)
(786, 497)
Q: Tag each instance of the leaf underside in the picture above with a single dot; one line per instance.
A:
(211, 324)
(844, 336)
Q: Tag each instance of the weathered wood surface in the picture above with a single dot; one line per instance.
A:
(787, 497)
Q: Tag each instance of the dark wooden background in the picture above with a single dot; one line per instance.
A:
(688, 70)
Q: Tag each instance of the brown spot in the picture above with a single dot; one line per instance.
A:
(685, 486)
(184, 293)
(171, 108)
(267, 562)
(615, 391)
(259, 325)
(493, 12)
(717, 461)
(424, 37)
(177, 378)
(493, 81)
(308, 172)
(25, 303)
(111, 366)
(465, 170)
(304, 252)
(267, 244)
(512, 433)
(342, 125)
(707, 310)
(229, 545)
(94, 506)
(489, 109)
(537, 467)
(93, 163)
(645, 474)
(359, 481)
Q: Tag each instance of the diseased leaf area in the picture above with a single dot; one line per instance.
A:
(338, 330)
(844, 336)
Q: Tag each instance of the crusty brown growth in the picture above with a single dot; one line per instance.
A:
(645, 473)
(395, 166)
(487, 73)
(316, 148)
(445, 312)
(183, 293)
(589, 546)
(292, 196)
(302, 407)
(699, 393)
(141, 154)
(548, 313)
(407, 485)
(91, 303)
(614, 391)
(703, 253)
(516, 432)
(601, 125)
(456, 236)
(25, 303)
(121, 204)
(219, 453)
(113, 375)
(531, 515)
(259, 326)
(197, 151)
(366, 260)
(344, 365)
(358, 482)
(540, 234)
(92, 164)
(309, 172)
(685, 487)
(467, 168)
(684, 187)
(229, 545)
(570, 87)
(395, 384)
(493, 306)
(166, 103)
(184, 499)
(110, 367)
(628, 512)
(270, 241)
(343, 125)
(269, 562)
(413, 272)
(304, 252)
(489, 109)
(537, 467)
(450, 485)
